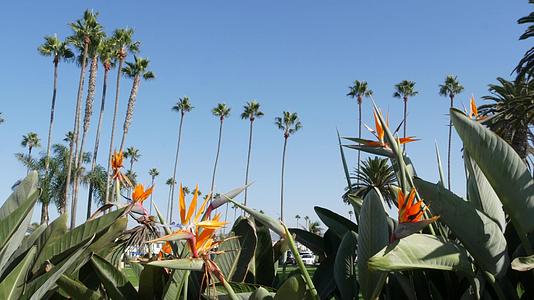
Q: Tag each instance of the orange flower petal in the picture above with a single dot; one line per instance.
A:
(182, 205)
(192, 206)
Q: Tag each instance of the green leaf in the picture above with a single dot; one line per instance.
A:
(344, 162)
(421, 251)
(508, 175)
(175, 285)
(273, 224)
(372, 150)
(13, 284)
(481, 194)
(162, 220)
(263, 267)
(27, 187)
(480, 235)
(192, 264)
(228, 261)
(137, 268)
(293, 288)
(310, 240)
(76, 289)
(261, 294)
(373, 236)
(345, 266)
(340, 225)
(523, 263)
(116, 284)
(440, 168)
(244, 229)
(151, 283)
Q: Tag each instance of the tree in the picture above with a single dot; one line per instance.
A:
(83, 30)
(307, 219)
(289, 123)
(136, 70)
(30, 141)
(222, 111)
(123, 44)
(106, 53)
(350, 214)
(359, 90)
(133, 154)
(2, 120)
(511, 112)
(404, 90)
(182, 107)
(170, 182)
(375, 173)
(314, 227)
(297, 217)
(59, 51)
(153, 174)
(525, 67)
(450, 88)
(251, 111)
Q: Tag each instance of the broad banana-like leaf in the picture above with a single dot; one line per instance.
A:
(28, 241)
(372, 237)
(175, 284)
(480, 235)
(481, 194)
(293, 288)
(263, 266)
(37, 288)
(13, 284)
(162, 220)
(356, 203)
(523, 263)
(76, 289)
(116, 284)
(192, 264)
(137, 268)
(323, 277)
(261, 294)
(228, 261)
(151, 283)
(273, 224)
(310, 240)
(345, 266)
(244, 229)
(502, 166)
(340, 225)
(421, 251)
(27, 187)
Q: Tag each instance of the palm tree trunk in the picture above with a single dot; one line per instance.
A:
(248, 159)
(75, 129)
(176, 161)
(130, 109)
(51, 124)
(216, 158)
(520, 142)
(44, 213)
(449, 150)
(282, 181)
(404, 123)
(29, 159)
(97, 139)
(150, 210)
(114, 123)
(168, 216)
(359, 136)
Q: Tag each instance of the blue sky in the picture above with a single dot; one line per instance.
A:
(290, 55)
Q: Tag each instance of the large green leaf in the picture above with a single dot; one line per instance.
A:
(193, 264)
(27, 187)
(175, 284)
(228, 261)
(481, 194)
(372, 237)
(293, 288)
(273, 224)
(523, 263)
(263, 267)
(340, 225)
(344, 162)
(244, 229)
(117, 285)
(310, 240)
(151, 283)
(502, 166)
(76, 289)
(440, 167)
(28, 241)
(13, 284)
(480, 235)
(261, 294)
(345, 266)
(421, 251)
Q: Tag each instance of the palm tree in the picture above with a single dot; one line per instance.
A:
(136, 70)
(315, 227)
(182, 107)
(106, 54)
(307, 219)
(222, 111)
(59, 51)
(251, 111)
(153, 174)
(2, 120)
(170, 182)
(30, 140)
(450, 88)
(297, 217)
(359, 90)
(375, 173)
(404, 90)
(133, 154)
(350, 214)
(83, 30)
(511, 112)
(123, 43)
(289, 123)
(525, 67)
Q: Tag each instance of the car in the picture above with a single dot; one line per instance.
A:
(290, 259)
(308, 258)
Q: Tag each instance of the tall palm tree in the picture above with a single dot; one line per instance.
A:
(525, 67)
(350, 214)
(315, 227)
(106, 53)
(375, 173)
(359, 90)
(511, 113)
(182, 107)
(450, 88)
(30, 140)
(404, 90)
(83, 30)
(136, 70)
(307, 219)
(133, 154)
(222, 111)
(289, 123)
(153, 174)
(251, 111)
(123, 44)
(170, 182)
(59, 51)
(297, 217)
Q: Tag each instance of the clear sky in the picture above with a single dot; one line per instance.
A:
(290, 55)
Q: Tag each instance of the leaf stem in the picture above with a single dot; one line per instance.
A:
(228, 288)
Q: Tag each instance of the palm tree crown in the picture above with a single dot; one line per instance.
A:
(251, 111)
(221, 110)
(59, 50)
(451, 87)
(359, 90)
(405, 89)
(138, 68)
(107, 52)
(85, 29)
(30, 140)
(153, 172)
(133, 154)
(124, 43)
(183, 105)
(170, 181)
(289, 123)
